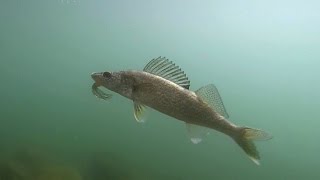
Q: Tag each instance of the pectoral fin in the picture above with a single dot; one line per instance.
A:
(196, 133)
(139, 112)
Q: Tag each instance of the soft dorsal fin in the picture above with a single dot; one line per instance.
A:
(211, 96)
(167, 69)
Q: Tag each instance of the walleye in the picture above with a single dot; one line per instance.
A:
(163, 86)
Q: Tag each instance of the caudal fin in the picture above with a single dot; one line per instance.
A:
(245, 139)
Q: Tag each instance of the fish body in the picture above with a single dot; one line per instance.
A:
(165, 88)
(175, 101)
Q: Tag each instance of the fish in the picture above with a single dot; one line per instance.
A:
(164, 87)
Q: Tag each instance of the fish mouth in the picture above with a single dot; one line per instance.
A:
(97, 78)
(94, 75)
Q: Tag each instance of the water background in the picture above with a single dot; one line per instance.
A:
(262, 55)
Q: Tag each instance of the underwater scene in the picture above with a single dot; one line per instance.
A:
(152, 90)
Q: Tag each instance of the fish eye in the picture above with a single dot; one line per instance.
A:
(106, 74)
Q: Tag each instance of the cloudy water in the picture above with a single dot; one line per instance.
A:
(263, 56)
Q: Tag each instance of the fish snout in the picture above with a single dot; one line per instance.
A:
(94, 75)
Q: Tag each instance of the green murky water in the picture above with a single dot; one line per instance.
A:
(262, 55)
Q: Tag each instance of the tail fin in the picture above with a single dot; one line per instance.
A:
(245, 139)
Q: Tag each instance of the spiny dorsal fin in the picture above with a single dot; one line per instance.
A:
(211, 96)
(167, 69)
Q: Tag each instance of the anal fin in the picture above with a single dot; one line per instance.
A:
(196, 133)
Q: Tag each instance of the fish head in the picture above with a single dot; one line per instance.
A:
(115, 81)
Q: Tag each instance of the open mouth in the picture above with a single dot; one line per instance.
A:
(97, 78)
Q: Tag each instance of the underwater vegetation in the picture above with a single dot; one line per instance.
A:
(110, 165)
(37, 164)
(32, 164)
(105, 165)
